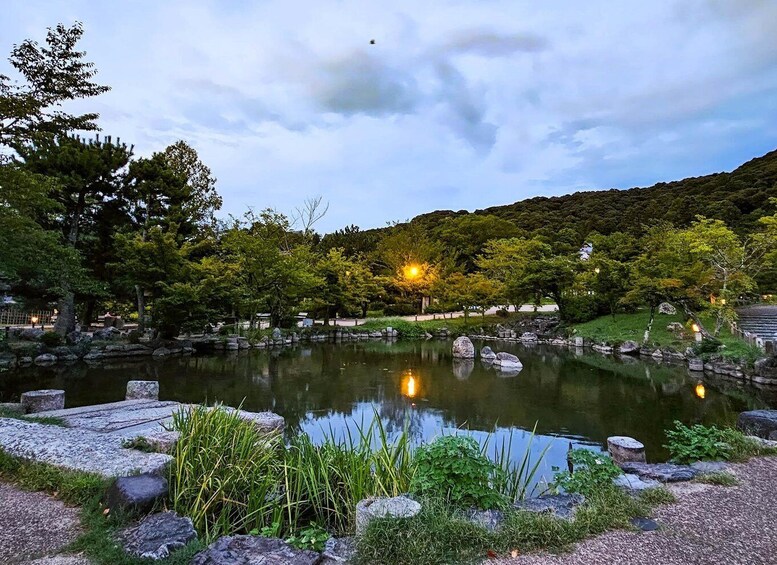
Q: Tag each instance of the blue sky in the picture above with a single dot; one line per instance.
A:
(458, 105)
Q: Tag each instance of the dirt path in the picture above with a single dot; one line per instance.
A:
(35, 527)
(708, 525)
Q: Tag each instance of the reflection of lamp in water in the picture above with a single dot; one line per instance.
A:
(700, 391)
(409, 386)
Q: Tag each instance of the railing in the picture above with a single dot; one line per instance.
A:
(16, 317)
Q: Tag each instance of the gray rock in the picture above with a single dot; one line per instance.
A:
(158, 535)
(644, 524)
(561, 506)
(634, 483)
(707, 467)
(625, 449)
(371, 508)
(675, 327)
(529, 336)
(265, 422)
(276, 334)
(664, 472)
(45, 359)
(487, 519)
(163, 351)
(31, 334)
(339, 550)
(507, 361)
(487, 354)
(137, 493)
(25, 361)
(253, 550)
(463, 348)
(77, 449)
(8, 361)
(43, 400)
(629, 348)
(106, 333)
(695, 364)
(760, 423)
(137, 390)
(666, 308)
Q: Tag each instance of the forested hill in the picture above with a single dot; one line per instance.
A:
(739, 198)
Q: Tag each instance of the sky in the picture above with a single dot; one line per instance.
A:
(457, 105)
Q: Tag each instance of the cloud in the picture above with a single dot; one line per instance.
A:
(459, 105)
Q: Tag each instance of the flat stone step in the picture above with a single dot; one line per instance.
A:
(124, 418)
(77, 449)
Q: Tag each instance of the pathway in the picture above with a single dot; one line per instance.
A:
(709, 525)
(347, 322)
(35, 528)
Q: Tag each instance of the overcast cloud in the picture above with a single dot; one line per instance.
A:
(458, 105)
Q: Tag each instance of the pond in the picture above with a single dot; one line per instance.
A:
(571, 397)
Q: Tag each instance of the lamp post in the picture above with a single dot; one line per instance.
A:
(696, 332)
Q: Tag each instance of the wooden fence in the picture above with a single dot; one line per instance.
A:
(17, 317)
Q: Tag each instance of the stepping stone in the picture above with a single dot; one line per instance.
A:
(246, 550)
(625, 449)
(77, 449)
(634, 483)
(396, 507)
(137, 493)
(158, 535)
(664, 472)
(43, 401)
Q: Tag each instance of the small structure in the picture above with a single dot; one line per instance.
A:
(43, 400)
(625, 449)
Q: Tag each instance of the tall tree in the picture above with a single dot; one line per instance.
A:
(203, 201)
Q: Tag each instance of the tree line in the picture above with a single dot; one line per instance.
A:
(89, 225)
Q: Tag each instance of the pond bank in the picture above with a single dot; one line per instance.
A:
(707, 525)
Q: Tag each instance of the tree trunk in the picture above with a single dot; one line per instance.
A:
(66, 317)
(88, 315)
(692, 315)
(141, 300)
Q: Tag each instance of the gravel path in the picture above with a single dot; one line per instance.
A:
(708, 525)
(34, 526)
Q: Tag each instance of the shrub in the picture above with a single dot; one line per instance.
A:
(502, 313)
(704, 443)
(583, 308)
(401, 309)
(51, 339)
(452, 468)
(313, 538)
(134, 336)
(592, 472)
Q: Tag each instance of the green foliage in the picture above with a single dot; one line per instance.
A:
(51, 339)
(441, 533)
(656, 496)
(722, 479)
(453, 469)
(591, 472)
(72, 487)
(312, 537)
(710, 443)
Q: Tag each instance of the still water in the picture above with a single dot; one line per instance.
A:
(577, 398)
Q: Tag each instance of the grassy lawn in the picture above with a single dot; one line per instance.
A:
(623, 327)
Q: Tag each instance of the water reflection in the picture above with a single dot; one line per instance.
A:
(700, 391)
(584, 398)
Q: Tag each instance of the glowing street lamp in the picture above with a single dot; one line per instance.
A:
(411, 271)
(34, 320)
(697, 332)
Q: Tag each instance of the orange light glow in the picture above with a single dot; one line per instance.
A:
(409, 386)
(695, 328)
(34, 320)
(701, 392)
(411, 271)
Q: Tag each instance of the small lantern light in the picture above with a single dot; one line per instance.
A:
(34, 320)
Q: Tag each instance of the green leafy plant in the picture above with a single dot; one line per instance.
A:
(51, 339)
(591, 472)
(313, 537)
(453, 468)
(699, 443)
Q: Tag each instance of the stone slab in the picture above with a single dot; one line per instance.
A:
(77, 449)
(124, 416)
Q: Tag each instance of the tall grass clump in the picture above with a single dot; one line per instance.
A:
(225, 474)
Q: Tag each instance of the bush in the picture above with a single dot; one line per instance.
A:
(710, 443)
(401, 309)
(51, 339)
(134, 336)
(592, 472)
(502, 313)
(453, 469)
(580, 309)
